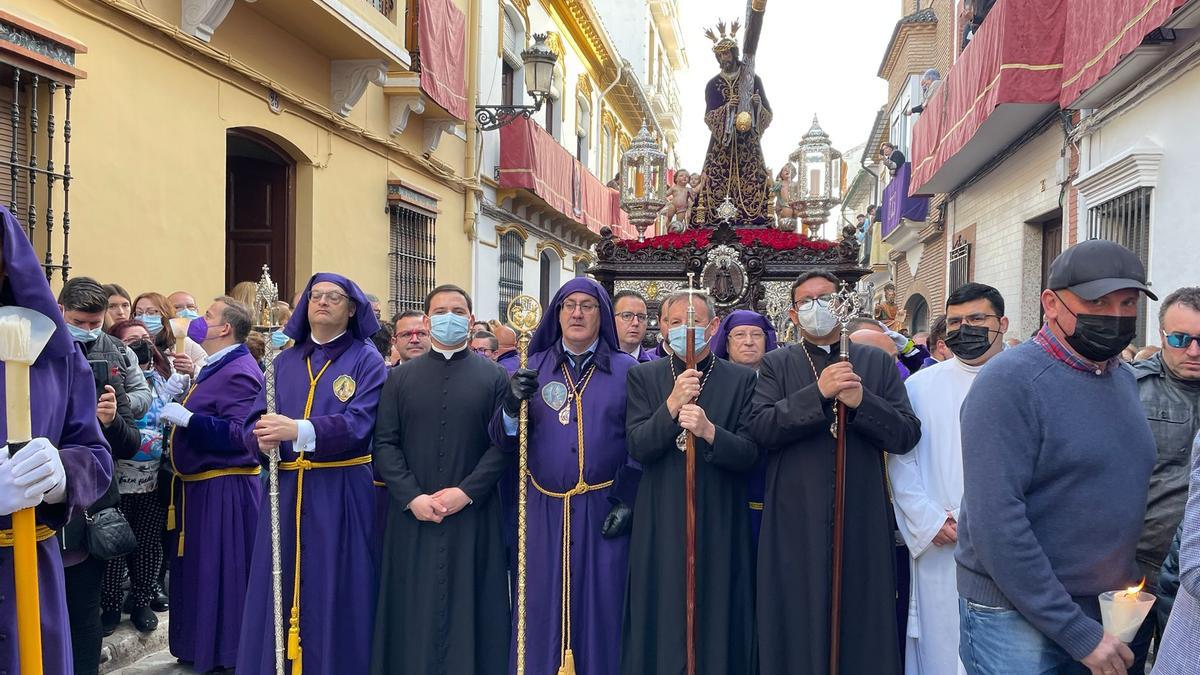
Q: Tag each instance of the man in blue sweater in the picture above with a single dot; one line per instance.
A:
(1056, 459)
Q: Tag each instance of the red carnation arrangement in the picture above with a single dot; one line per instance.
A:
(764, 237)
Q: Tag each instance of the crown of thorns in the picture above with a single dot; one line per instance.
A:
(726, 40)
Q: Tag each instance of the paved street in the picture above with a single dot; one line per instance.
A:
(158, 663)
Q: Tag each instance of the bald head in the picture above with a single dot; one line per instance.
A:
(505, 335)
(874, 338)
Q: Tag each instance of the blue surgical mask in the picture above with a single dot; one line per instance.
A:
(81, 335)
(449, 329)
(153, 322)
(189, 314)
(278, 339)
(677, 338)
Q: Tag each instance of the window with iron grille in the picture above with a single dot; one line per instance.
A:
(960, 265)
(512, 250)
(35, 162)
(412, 258)
(1125, 219)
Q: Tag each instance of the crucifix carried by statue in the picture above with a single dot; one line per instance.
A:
(737, 114)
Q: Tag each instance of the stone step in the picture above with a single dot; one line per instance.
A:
(127, 645)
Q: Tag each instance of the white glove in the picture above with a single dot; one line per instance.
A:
(177, 384)
(903, 344)
(32, 475)
(175, 414)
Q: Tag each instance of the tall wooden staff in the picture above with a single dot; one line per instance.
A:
(265, 296)
(845, 305)
(23, 334)
(524, 314)
(689, 496)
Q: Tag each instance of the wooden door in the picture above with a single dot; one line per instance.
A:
(258, 215)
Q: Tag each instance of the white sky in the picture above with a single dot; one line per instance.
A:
(815, 56)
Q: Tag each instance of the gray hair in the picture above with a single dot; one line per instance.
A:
(931, 74)
(1188, 296)
(678, 296)
(237, 316)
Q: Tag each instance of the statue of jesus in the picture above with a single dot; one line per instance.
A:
(734, 164)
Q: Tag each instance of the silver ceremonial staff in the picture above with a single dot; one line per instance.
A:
(264, 301)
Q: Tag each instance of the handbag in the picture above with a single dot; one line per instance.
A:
(109, 534)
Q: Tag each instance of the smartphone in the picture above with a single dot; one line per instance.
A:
(100, 372)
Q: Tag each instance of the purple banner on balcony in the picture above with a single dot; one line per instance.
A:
(897, 204)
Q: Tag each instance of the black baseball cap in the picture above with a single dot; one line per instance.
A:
(1094, 268)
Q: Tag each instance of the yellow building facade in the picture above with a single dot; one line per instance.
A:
(210, 136)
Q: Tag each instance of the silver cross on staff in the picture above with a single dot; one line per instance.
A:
(846, 304)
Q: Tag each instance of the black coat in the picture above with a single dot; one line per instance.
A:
(653, 634)
(791, 422)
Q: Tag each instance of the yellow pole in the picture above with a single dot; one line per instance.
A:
(25, 559)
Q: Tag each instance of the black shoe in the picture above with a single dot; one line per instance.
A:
(160, 604)
(109, 621)
(144, 619)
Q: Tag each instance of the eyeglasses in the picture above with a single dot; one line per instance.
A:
(953, 323)
(807, 303)
(332, 297)
(1180, 340)
(585, 307)
(628, 317)
(751, 334)
(410, 334)
(147, 312)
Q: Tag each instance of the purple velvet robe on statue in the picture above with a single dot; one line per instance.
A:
(339, 538)
(599, 566)
(216, 517)
(63, 397)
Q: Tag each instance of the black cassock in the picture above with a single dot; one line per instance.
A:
(443, 593)
(791, 422)
(653, 633)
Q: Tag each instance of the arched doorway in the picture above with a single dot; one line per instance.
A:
(260, 187)
(917, 309)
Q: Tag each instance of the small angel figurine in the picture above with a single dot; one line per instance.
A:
(678, 200)
(785, 201)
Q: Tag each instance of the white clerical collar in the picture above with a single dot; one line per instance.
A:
(220, 353)
(315, 341)
(591, 348)
(449, 353)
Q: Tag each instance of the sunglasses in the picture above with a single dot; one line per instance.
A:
(1180, 340)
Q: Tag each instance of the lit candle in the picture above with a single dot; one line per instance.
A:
(640, 183)
(179, 327)
(1124, 611)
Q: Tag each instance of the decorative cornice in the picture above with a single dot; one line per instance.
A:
(504, 229)
(349, 79)
(433, 132)
(200, 18)
(553, 246)
(1136, 167)
(922, 19)
(586, 31)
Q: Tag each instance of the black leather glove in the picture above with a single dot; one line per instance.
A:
(618, 521)
(521, 386)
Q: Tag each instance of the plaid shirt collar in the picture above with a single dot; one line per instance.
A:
(1054, 348)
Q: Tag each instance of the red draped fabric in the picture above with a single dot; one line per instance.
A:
(1015, 57)
(1101, 34)
(531, 159)
(442, 37)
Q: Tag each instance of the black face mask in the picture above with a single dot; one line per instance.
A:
(142, 350)
(1099, 337)
(970, 342)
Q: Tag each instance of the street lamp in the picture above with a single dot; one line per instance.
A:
(820, 168)
(539, 64)
(643, 181)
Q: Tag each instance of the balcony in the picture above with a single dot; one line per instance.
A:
(1006, 80)
(903, 216)
(1123, 42)
(343, 29)
(534, 164)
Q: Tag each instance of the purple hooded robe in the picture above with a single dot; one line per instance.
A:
(63, 397)
(338, 536)
(598, 566)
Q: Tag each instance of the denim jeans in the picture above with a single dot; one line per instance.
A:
(998, 641)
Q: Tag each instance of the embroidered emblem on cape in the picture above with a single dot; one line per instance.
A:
(554, 394)
(343, 387)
